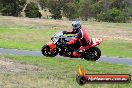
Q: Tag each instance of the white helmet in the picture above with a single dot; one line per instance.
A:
(76, 26)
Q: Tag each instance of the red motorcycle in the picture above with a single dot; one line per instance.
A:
(57, 46)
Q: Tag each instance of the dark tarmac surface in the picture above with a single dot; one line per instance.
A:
(114, 60)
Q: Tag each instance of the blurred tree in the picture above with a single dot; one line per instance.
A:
(32, 11)
(113, 15)
(11, 7)
(85, 9)
(70, 10)
(129, 10)
(97, 7)
(119, 4)
(55, 7)
(90, 8)
(43, 3)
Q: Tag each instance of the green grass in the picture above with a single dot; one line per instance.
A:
(20, 45)
(32, 39)
(116, 48)
(32, 34)
(29, 39)
(60, 73)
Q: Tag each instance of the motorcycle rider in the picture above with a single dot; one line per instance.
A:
(81, 35)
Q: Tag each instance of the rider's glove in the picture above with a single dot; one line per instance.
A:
(64, 32)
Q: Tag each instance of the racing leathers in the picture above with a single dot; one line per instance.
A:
(81, 36)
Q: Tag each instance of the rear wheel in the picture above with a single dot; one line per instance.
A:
(93, 54)
(46, 51)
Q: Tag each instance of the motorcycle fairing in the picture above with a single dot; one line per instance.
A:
(95, 41)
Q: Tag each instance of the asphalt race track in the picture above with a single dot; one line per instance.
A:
(114, 60)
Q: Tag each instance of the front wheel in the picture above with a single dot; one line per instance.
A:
(46, 51)
(93, 54)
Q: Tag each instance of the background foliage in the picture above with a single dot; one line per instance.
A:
(11, 7)
(101, 10)
(32, 11)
